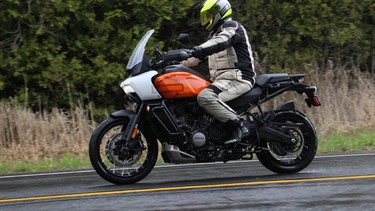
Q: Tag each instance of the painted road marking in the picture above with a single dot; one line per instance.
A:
(177, 188)
(170, 165)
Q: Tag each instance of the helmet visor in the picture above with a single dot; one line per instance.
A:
(207, 18)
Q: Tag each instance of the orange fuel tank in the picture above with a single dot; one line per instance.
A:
(179, 85)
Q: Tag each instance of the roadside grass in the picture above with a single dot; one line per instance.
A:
(359, 140)
(66, 162)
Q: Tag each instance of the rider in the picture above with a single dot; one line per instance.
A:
(231, 64)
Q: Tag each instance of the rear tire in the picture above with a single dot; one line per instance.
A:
(118, 162)
(303, 152)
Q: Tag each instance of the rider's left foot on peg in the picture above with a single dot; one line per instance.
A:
(238, 134)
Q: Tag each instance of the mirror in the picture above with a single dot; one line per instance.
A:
(183, 38)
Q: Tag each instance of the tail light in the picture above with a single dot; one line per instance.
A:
(316, 101)
(313, 101)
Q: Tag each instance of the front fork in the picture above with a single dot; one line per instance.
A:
(131, 130)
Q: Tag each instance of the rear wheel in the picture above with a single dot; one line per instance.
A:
(299, 155)
(121, 162)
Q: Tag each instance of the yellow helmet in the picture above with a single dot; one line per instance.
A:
(214, 12)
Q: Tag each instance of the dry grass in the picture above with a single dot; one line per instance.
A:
(347, 103)
(29, 136)
(347, 98)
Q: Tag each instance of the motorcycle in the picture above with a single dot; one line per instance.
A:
(124, 148)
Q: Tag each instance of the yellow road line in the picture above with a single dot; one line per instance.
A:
(63, 196)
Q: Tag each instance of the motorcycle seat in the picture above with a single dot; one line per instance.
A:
(250, 97)
(265, 79)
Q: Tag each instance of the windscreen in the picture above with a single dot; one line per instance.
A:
(139, 50)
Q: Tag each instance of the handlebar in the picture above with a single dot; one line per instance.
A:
(170, 56)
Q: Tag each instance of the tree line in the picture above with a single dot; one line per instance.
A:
(61, 53)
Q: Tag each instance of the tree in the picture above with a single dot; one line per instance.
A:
(57, 52)
(288, 34)
(64, 52)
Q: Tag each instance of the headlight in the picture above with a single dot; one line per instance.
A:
(128, 89)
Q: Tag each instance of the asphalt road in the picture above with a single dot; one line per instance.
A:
(331, 182)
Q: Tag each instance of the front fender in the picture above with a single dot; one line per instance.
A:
(123, 113)
(133, 119)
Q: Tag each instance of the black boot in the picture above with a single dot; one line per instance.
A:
(238, 133)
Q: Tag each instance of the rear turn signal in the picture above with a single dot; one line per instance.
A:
(313, 101)
(316, 101)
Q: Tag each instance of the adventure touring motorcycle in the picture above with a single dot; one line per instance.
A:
(124, 148)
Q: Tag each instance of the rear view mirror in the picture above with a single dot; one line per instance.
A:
(183, 38)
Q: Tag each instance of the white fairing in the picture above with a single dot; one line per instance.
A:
(142, 85)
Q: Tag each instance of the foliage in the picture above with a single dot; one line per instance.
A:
(288, 34)
(56, 53)
(64, 53)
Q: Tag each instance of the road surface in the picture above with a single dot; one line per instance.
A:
(331, 182)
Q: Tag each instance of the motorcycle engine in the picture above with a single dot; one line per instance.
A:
(193, 120)
(198, 139)
(216, 132)
(200, 128)
(204, 136)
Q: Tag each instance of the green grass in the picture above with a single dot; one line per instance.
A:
(66, 162)
(360, 140)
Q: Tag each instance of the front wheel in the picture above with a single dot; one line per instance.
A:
(298, 156)
(121, 162)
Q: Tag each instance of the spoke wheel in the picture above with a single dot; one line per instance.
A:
(299, 155)
(118, 161)
(294, 152)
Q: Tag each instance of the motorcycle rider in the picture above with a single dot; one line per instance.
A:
(230, 61)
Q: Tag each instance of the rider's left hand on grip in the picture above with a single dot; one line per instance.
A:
(197, 52)
(179, 55)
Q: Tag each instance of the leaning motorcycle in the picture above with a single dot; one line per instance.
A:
(124, 148)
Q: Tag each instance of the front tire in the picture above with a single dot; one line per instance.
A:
(119, 162)
(299, 156)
